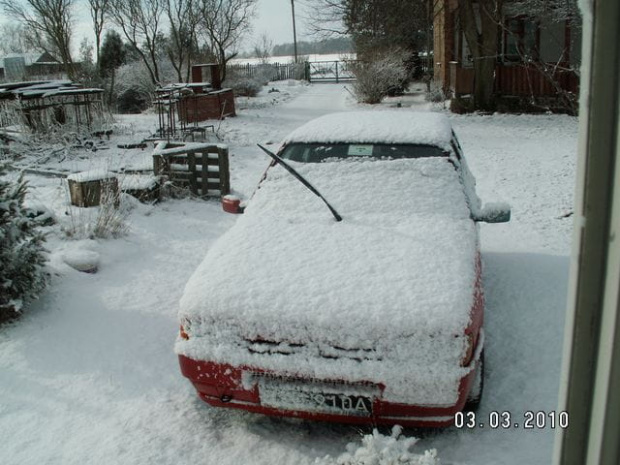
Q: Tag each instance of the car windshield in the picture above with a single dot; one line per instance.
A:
(316, 153)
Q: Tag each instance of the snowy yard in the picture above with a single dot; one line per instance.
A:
(89, 375)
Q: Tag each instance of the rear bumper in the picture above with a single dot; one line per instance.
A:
(222, 385)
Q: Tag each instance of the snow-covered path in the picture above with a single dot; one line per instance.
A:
(88, 376)
(268, 122)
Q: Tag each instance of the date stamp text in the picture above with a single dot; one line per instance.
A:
(506, 420)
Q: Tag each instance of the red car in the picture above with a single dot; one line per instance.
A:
(369, 311)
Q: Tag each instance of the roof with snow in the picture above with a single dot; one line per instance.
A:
(42, 89)
(30, 58)
(389, 126)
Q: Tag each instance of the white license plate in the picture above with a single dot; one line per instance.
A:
(339, 399)
(343, 403)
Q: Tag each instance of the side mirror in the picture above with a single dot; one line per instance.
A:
(494, 213)
(232, 204)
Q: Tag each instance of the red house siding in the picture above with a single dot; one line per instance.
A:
(511, 79)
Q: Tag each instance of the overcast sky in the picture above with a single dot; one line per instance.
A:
(273, 17)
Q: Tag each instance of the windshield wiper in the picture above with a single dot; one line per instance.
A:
(301, 179)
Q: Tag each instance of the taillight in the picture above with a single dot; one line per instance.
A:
(183, 334)
(469, 351)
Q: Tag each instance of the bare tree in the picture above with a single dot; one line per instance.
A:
(224, 23)
(13, 39)
(48, 24)
(263, 47)
(377, 25)
(86, 71)
(181, 47)
(550, 12)
(482, 36)
(325, 18)
(481, 32)
(98, 13)
(140, 22)
(553, 10)
(384, 24)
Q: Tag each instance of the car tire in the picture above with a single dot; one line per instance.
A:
(475, 393)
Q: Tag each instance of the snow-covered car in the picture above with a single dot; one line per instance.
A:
(376, 318)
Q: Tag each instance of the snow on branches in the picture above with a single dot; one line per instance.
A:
(21, 250)
(554, 10)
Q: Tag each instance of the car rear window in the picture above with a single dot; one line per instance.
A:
(316, 153)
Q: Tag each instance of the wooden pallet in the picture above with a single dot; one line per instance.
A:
(202, 168)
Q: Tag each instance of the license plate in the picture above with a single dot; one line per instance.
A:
(347, 404)
(339, 399)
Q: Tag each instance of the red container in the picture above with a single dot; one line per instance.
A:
(231, 204)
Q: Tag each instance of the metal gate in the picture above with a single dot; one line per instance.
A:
(330, 71)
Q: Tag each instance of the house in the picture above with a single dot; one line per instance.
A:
(537, 59)
(27, 66)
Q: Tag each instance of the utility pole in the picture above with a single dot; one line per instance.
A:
(294, 30)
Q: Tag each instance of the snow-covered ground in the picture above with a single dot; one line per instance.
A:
(89, 376)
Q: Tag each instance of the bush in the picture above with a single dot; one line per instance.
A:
(245, 87)
(462, 104)
(134, 88)
(107, 221)
(132, 101)
(375, 79)
(435, 94)
(22, 258)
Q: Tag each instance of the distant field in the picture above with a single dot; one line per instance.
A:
(290, 58)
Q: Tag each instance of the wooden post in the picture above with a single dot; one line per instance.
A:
(191, 164)
(224, 170)
(197, 73)
(205, 172)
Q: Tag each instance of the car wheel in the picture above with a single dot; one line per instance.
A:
(475, 393)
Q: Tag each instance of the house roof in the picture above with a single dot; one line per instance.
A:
(38, 89)
(44, 58)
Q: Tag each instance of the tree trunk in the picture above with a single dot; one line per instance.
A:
(65, 55)
(111, 95)
(223, 61)
(481, 32)
(484, 83)
(98, 46)
(69, 68)
(178, 67)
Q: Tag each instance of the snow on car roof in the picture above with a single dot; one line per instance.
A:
(400, 266)
(389, 126)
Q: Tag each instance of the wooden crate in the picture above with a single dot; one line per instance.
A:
(88, 189)
(145, 188)
(202, 168)
(217, 104)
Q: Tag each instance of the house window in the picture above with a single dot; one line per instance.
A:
(521, 39)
